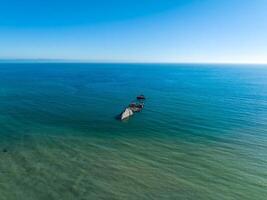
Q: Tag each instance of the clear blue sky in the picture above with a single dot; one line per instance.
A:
(135, 30)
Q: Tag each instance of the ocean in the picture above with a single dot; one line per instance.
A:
(202, 134)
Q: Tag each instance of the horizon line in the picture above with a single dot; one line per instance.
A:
(58, 60)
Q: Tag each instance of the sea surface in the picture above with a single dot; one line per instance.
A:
(201, 136)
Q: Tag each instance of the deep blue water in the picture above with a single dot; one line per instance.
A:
(201, 135)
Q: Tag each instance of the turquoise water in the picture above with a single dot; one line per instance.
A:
(202, 134)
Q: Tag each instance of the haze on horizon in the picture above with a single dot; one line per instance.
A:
(221, 31)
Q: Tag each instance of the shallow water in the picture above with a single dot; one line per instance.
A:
(202, 134)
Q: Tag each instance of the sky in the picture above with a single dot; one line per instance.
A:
(175, 31)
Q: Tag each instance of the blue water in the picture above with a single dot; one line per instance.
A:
(201, 135)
